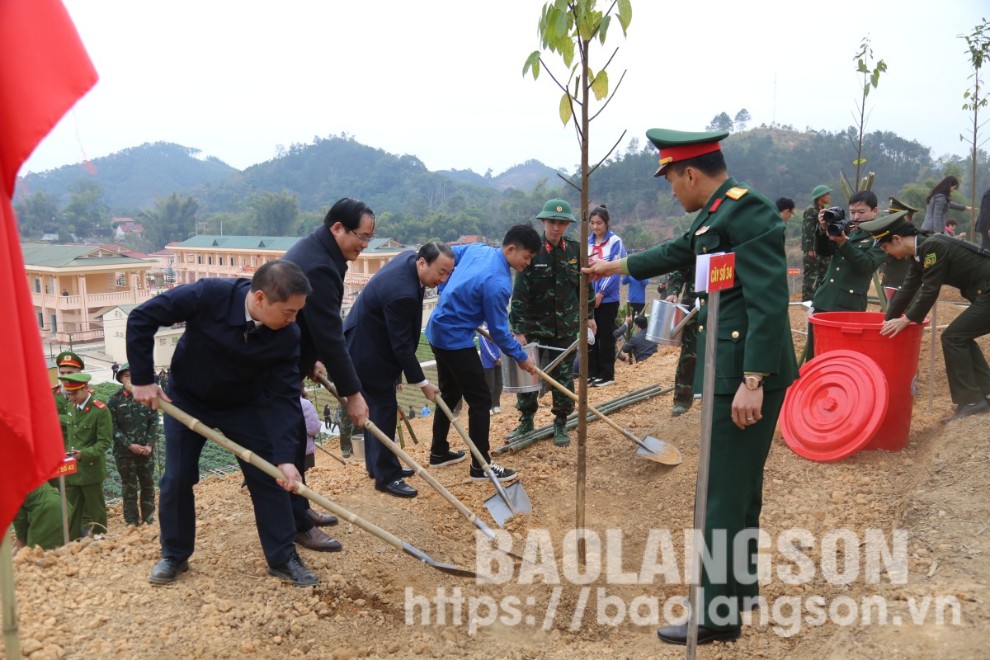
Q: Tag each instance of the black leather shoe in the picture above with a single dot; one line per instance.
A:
(321, 519)
(314, 539)
(295, 572)
(706, 635)
(966, 409)
(167, 571)
(399, 488)
(407, 472)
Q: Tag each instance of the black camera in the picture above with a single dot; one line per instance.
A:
(835, 221)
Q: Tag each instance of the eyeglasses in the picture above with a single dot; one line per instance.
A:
(364, 238)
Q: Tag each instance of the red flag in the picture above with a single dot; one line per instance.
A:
(44, 69)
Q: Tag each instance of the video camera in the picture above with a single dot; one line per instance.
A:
(836, 223)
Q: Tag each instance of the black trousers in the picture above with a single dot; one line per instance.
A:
(379, 460)
(965, 365)
(601, 356)
(460, 374)
(177, 503)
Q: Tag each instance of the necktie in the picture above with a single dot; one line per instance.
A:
(249, 329)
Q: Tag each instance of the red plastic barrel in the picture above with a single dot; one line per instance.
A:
(897, 358)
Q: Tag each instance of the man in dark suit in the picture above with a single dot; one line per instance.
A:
(346, 231)
(382, 333)
(936, 260)
(754, 363)
(236, 369)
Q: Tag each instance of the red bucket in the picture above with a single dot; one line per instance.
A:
(897, 358)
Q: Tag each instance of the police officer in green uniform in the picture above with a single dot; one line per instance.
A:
(893, 271)
(814, 265)
(67, 362)
(90, 434)
(936, 260)
(851, 259)
(135, 431)
(754, 359)
(39, 520)
(545, 310)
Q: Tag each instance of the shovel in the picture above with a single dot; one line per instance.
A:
(301, 489)
(420, 471)
(648, 447)
(412, 434)
(509, 500)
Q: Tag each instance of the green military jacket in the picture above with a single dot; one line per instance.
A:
(754, 328)
(133, 423)
(681, 284)
(91, 432)
(545, 296)
(62, 406)
(850, 271)
(940, 260)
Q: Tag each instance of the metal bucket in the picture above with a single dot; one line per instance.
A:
(514, 379)
(664, 319)
(357, 447)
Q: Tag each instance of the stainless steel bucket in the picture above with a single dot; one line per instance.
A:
(664, 319)
(357, 447)
(514, 379)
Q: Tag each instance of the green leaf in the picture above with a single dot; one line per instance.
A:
(859, 161)
(625, 14)
(565, 108)
(567, 50)
(603, 28)
(600, 85)
(533, 61)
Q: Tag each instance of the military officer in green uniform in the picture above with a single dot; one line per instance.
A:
(754, 359)
(39, 520)
(681, 283)
(814, 265)
(545, 310)
(936, 260)
(851, 259)
(135, 431)
(893, 271)
(90, 434)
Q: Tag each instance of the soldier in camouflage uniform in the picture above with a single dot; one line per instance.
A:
(135, 430)
(545, 310)
(814, 266)
(682, 283)
(90, 434)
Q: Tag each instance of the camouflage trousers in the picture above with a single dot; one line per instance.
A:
(814, 272)
(346, 430)
(137, 487)
(527, 402)
(684, 376)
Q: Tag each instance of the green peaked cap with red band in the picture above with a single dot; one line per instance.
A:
(676, 146)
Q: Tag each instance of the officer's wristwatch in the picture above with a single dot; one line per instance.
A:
(753, 382)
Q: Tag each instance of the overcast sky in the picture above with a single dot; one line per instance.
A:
(441, 79)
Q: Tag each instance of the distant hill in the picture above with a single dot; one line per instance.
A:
(526, 176)
(132, 178)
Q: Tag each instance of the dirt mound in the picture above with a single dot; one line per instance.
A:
(93, 598)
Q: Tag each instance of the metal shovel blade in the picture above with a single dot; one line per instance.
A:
(501, 511)
(659, 451)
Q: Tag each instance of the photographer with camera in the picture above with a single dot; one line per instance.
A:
(854, 257)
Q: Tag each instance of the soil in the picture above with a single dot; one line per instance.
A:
(93, 599)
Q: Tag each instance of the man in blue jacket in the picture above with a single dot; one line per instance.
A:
(478, 292)
(235, 369)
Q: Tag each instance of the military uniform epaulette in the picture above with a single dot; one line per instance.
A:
(98, 403)
(737, 192)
